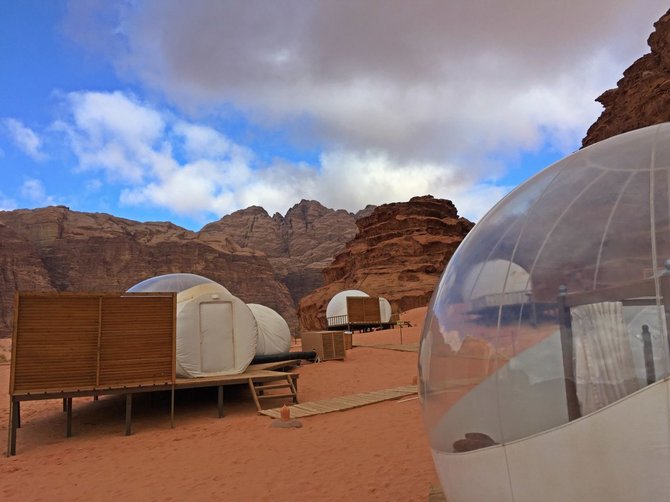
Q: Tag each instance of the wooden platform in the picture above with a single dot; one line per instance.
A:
(343, 403)
(257, 374)
(406, 347)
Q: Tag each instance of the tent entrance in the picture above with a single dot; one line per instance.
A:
(217, 343)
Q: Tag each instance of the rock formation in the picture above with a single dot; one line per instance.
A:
(298, 245)
(399, 253)
(57, 249)
(642, 96)
(20, 269)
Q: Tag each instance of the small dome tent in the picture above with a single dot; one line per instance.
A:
(337, 313)
(216, 332)
(384, 309)
(337, 305)
(274, 335)
(169, 283)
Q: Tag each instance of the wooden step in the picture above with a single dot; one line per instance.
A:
(258, 390)
(273, 386)
(275, 396)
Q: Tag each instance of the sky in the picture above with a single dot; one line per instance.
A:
(180, 111)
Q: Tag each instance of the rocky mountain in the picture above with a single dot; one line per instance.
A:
(399, 253)
(642, 96)
(57, 249)
(299, 245)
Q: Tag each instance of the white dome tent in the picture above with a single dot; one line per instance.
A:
(338, 315)
(337, 306)
(573, 404)
(216, 331)
(274, 335)
(385, 310)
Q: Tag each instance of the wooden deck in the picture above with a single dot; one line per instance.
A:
(343, 403)
(255, 374)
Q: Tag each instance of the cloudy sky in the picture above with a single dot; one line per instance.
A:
(187, 111)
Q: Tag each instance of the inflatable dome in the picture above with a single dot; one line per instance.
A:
(169, 283)
(216, 331)
(384, 309)
(337, 306)
(274, 335)
(337, 313)
(544, 358)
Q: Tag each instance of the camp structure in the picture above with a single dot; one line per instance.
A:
(355, 309)
(274, 335)
(575, 405)
(217, 333)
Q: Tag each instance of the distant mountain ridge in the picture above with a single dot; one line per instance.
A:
(299, 245)
(57, 249)
(261, 259)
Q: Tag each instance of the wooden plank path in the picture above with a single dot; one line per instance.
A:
(343, 403)
(406, 347)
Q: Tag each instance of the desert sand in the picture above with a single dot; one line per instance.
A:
(375, 452)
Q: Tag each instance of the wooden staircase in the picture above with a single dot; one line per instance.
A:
(274, 390)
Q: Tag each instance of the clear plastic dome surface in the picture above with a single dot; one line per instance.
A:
(169, 283)
(552, 308)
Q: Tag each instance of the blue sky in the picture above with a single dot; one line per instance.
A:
(187, 111)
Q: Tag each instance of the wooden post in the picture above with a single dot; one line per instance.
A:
(11, 430)
(18, 414)
(565, 323)
(647, 350)
(129, 405)
(172, 406)
(68, 420)
(220, 401)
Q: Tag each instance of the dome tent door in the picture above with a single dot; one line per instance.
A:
(217, 346)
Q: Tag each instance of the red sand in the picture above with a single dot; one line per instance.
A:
(377, 452)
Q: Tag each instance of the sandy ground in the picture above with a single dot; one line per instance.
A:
(376, 452)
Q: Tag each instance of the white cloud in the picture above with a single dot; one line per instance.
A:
(424, 81)
(403, 98)
(25, 139)
(113, 132)
(33, 190)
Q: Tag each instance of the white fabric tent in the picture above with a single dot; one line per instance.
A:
(216, 331)
(384, 309)
(274, 335)
(337, 305)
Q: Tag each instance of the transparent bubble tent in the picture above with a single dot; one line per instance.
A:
(544, 358)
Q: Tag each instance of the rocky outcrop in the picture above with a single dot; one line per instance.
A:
(299, 245)
(55, 248)
(20, 269)
(399, 253)
(642, 96)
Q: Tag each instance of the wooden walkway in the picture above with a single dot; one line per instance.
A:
(343, 403)
(406, 347)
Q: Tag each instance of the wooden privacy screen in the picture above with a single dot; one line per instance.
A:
(86, 341)
(363, 309)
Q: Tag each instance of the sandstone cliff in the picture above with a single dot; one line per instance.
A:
(399, 253)
(55, 248)
(299, 245)
(642, 96)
